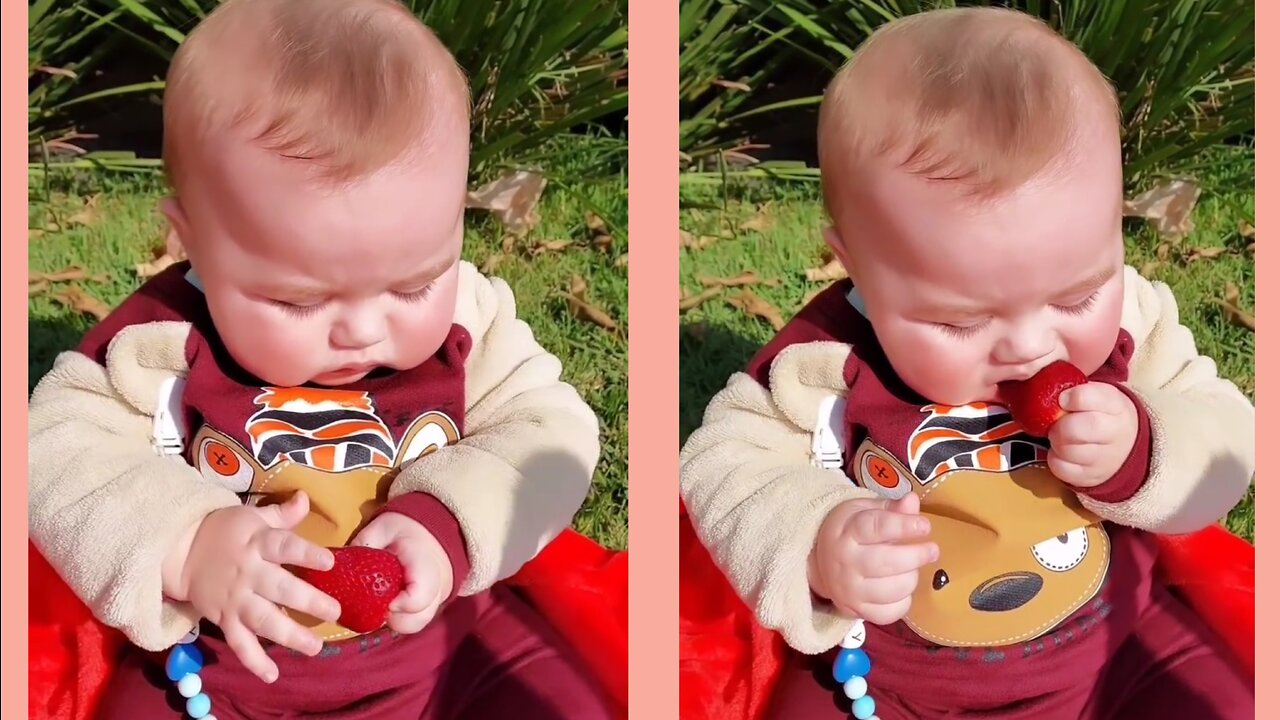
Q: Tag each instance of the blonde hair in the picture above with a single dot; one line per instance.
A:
(985, 99)
(347, 86)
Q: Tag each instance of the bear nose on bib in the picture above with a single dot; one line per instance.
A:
(1009, 591)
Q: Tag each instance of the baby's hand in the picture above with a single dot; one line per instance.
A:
(427, 573)
(230, 570)
(858, 563)
(1090, 443)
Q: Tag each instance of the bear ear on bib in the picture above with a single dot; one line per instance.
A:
(430, 432)
(223, 462)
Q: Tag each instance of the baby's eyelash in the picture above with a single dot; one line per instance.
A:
(298, 311)
(418, 294)
(1081, 307)
(961, 332)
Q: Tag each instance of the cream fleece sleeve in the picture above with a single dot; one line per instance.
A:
(104, 508)
(531, 443)
(1202, 427)
(756, 501)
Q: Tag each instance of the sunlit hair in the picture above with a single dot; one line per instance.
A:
(984, 99)
(345, 86)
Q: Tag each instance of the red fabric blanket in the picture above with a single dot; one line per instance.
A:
(580, 586)
(728, 663)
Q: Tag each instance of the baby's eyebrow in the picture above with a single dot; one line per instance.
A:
(431, 273)
(1090, 283)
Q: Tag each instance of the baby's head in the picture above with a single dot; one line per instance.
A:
(971, 168)
(318, 152)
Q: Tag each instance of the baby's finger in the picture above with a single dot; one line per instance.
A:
(284, 547)
(884, 614)
(248, 650)
(883, 561)
(1084, 455)
(886, 526)
(409, 623)
(422, 580)
(284, 588)
(270, 622)
(1083, 428)
(286, 514)
(909, 504)
(889, 590)
(1068, 472)
(1094, 396)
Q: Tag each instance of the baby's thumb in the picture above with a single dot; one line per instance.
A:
(289, 513)
(909, 505)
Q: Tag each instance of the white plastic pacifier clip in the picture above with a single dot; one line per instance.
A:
(827, 448)
(167, 435)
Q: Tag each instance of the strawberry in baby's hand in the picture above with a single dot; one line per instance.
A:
(364, 581)
(1034, 402)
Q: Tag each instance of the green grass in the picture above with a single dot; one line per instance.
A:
(717, 339)
(127, 226)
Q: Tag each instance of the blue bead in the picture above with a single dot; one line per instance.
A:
(864, 707)
(183, 660)
(851, 662)
(855, 687)
(199, 706)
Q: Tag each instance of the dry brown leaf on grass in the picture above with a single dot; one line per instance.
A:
(37, 288)
(80, 301)
(513, 198)
(752, 304)
(759, 222)
(696, 242)
(1149, 268)
(596, 224)
(72, 273)
(546, 246)
(491, 263)
(1167, 206)
(621, 262)
(692, 301)
(86, 215)
(583, 310)
(1246, 229)
(747, 278)
(162, 257)
(1208, 253)
(1230, 304)
(833, 270)
(1162, 252)
(732, 85)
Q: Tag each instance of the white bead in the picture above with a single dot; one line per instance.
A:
(189, 686)
(855, 637)
(855, 687)
(191, 636)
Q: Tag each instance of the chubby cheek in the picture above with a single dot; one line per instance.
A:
(275, 348)
(418, 330)
(941, 369)
(1090, 338)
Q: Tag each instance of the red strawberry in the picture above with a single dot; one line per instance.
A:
(1034, 402)
(364, 581)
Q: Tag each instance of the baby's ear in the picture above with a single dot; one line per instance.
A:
(177, 217)
(836, 242)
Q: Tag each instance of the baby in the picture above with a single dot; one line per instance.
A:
(325, 371)
(862, 467)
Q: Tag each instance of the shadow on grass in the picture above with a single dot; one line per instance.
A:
(46, 337)
(709, 354)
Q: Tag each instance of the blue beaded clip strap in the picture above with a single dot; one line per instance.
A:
(183, 667)
(850, 669)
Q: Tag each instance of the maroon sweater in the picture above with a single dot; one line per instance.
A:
(882, 408)
(368, 431)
